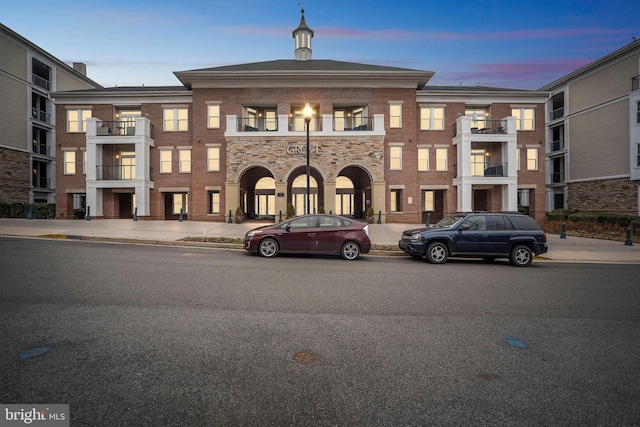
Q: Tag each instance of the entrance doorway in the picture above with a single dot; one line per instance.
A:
(344, 196)
(299, 194)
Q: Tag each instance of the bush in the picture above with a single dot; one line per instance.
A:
(21, 209)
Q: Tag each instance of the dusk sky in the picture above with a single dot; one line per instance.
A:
(509, 44)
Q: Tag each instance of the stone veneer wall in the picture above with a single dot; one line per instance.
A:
(15, 173)
(611, 195)
(334, 154)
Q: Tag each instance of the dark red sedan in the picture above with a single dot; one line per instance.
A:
(311, 234)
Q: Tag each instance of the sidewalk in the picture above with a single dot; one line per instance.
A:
(571, 249)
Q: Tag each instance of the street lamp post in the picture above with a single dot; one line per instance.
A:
(307, 112)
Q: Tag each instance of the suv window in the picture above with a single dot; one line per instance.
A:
(477, 222)
(525, 222)
(500, 222)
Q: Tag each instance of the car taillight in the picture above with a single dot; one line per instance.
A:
(366, 230)
(544, 238)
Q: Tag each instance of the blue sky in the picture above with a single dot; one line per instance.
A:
(501, 43)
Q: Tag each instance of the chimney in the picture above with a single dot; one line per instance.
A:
(80, 67)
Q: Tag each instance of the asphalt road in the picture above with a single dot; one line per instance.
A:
(146, 335)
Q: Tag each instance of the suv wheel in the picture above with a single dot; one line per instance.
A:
(437, 253)
(521, 256)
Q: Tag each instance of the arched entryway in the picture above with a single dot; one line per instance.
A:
(297, 190)
(258, 193)
(353, 192)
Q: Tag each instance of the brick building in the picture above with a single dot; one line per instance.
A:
(236, 136)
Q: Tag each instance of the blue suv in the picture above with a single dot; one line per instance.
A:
(485, 235)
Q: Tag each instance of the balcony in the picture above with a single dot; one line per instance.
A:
(556, 114)
(465, 125)
(557, 177)
(557, 145)
(41, 82)
(40, 182)
(40, 115)
(285, 125)
(489, 168)
(635, 83)
(42, 149)
(115, 172)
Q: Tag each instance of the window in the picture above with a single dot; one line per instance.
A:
(478, 118)
(165, 161)
(532, 159)
(442, 159)
(395, 115)
(184, 160)
(524, 118)
(431, 118)
(180, 203)
(214, 202)
(423, 159)
(395, 158)
(428, 200)
(213, 116)
(76, 119)
(476, 222)
(638, 155)
(69, 162)
(638, 112)
(396, 200)
(213, 159)
(518, 158)
(175, 119)
(500, 222)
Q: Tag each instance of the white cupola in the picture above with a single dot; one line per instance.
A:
(303, 35)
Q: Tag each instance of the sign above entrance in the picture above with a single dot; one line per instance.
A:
(302, 149)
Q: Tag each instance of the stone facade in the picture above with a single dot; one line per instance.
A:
(15, 175)
(618, 196)
(328, 155)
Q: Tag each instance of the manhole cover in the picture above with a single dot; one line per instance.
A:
(516, 343)
(33, 352)
(303, 357)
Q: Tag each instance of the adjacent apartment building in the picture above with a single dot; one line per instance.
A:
(28, 76)
(593, 136)
(235, 136)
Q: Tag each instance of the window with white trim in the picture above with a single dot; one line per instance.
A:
(395, 115)
(423, 159)
(213, 159)
(165, 161)
(77, 119)
(431, 118)
(442, 159)
(524, 118)
(184, 160)
(213, 116)
(175, 119)
(395, 158)
(69, 162)
(532, 159)
(638, 155)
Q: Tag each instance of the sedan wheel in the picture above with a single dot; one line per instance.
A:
(268, 248)
(521, 256)
(350, 251)
(437, 253)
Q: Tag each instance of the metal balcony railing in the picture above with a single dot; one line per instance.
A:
(557, 145)
(40, 182)
(43, 149)
(488, 126)
(557, 177)
(117, 128)
(297, 124)
(557, 113)
(489, 168)
(115, 172)
(40, 115)
(41, 82)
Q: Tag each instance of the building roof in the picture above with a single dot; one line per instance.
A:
(593, 65)
(311, 73)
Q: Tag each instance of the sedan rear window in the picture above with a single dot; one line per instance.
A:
(524, 222)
